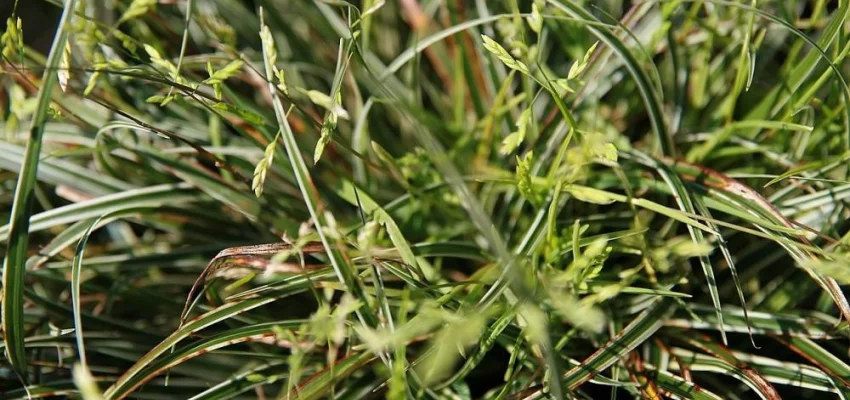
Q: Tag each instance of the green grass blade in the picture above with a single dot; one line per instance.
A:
(76, 269)
(14, 269)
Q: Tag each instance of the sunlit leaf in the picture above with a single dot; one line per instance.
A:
(497, 50)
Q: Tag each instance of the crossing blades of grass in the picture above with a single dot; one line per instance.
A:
(134, 376)
(63, 240)
(76, 269)
(57, 171)
(310, 196)
(733, 366)
(680, 387)
(761, 323)
(411, 215)
(662, 136)
(641, 328)
(837, 369)
(318, 385)
(258, 333)
(781, 373)
(242, 382)
(127, 201)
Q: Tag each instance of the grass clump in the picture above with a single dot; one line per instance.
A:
(437, 199)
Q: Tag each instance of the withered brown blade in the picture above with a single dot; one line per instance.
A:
(244, 256)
